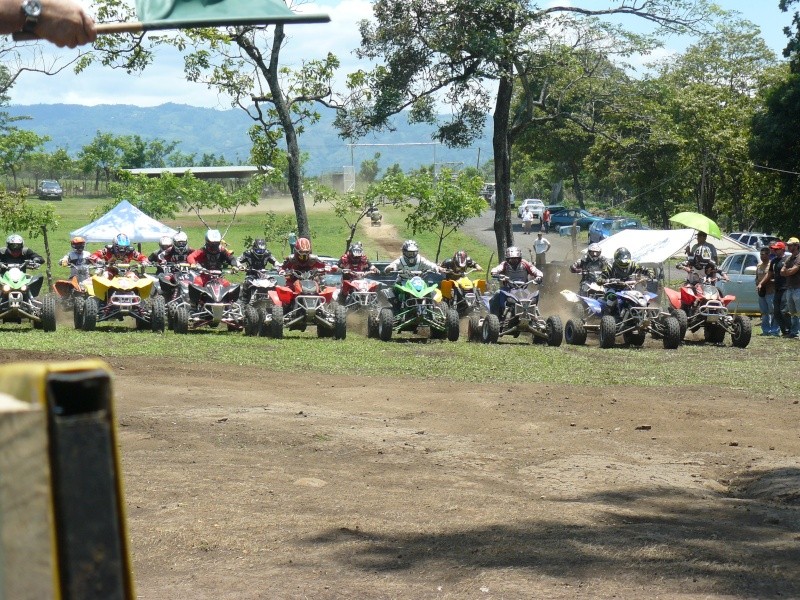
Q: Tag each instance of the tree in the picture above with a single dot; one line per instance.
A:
(369, 169)
(17, 214)
(424, 60)
(103, 155)
(16, 146)
(792, 50)
(440, 204)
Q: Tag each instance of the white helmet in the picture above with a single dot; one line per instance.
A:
(410, 251)
(165, 242)
(181, 240)
(594, 251)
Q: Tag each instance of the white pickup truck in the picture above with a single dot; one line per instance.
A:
(536, 205)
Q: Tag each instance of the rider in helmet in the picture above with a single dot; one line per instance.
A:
(702, 238)
(15, 253)
(180, 250)
(119, 251)
(513, 268)
(457, 266)
(77, 259)
(159, 256)
(355, 260)
(411, 260)
(301, 260)
(590, 266)
(257, 258)
(623, 267)
(696, 264)
(212, 256)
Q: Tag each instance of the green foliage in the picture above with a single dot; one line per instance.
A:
(17, 215)
(369, 169)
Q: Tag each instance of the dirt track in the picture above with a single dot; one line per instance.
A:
(376, 488)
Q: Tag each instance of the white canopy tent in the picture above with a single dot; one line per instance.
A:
(124, 218)
(659, 245)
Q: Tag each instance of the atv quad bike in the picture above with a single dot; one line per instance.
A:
(211, 305)
(414, 305)
(18, 298)
(120, 290)
(307, 301)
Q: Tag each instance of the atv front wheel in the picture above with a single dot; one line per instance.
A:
(372, 324)
(77, 311)
(683, 319)
(742, 331)
(452, 325)
(48, 315)
(90, 309)
(276, 324)
(490, 332)
(251, 322)
(575, 333)
(181, 320)
(555, 331)
(608, 331)
(474, 328)
(158, 314)
(339, 322)
(385, 323)
(672, 333)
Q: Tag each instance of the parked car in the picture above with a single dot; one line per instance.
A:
(487, 191)
(566, 217)
(49, 189)
(554, 208)
(741, 270)
(536, 205)
(752, 239)
(603, 228)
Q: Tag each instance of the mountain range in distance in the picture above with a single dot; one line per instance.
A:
(201, 131)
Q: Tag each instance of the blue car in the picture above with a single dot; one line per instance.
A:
(604, 228)
(567, 216)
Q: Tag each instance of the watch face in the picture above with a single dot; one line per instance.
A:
(32, 8)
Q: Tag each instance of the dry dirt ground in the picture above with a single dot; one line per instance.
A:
(272, 485)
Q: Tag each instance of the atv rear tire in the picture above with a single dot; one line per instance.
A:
(90, 309)
(575, 333)
(608, 331)
(555, 331)
(452, 325)
(158, 314)
(339, 323)
(181, 320)
(372, 324)
(490, 331)
(742, 331)
(672, 333)
(385, 324)
(48, 316)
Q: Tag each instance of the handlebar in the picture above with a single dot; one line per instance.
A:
(28, 264)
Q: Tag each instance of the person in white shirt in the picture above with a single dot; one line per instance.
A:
(540, 247)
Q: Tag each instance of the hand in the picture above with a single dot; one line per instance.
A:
(64, 23)
(63, 263)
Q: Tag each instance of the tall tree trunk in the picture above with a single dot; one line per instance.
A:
(48, 260)
(576, 184)
(502, 165)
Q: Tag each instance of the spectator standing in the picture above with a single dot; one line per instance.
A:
(766, 295)
(546, 220)
(540, 247)
(774, 275)
(791, 271)
(527, 220)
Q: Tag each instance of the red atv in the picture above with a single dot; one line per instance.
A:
(700, 304)
(308, 300)
(358, 292)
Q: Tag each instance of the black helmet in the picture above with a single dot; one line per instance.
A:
(622, 258)
(260, 247)
(460, 259)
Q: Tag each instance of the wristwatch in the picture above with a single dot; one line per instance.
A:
(32, 9)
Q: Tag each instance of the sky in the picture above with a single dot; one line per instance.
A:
(163, 81)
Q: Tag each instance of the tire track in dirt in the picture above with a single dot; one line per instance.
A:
(386, 237)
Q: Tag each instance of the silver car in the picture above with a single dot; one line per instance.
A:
(741, 270)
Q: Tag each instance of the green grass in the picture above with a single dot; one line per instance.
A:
(512, 361)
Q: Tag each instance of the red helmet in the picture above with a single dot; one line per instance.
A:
(302, 249)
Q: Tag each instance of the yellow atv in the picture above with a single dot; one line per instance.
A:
(117, 291)
(463, 294)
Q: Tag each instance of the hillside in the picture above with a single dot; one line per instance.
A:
(224, 132)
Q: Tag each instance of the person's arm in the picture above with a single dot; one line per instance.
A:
(789, 271)
(62, 22)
